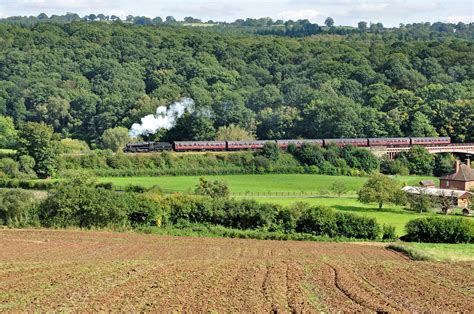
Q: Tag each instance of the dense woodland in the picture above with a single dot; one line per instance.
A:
(84, 77)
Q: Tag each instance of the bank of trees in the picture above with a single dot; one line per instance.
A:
(83, 78)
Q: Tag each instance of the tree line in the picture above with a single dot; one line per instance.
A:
(83, 78)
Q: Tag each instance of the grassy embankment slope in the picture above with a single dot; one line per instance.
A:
(440, 252)
(294, 185)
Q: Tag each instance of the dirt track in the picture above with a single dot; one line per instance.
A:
(80, 271)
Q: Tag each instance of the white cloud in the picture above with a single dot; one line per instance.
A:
(120, 13)
(460, 18)
(299, 15)
(61, 4)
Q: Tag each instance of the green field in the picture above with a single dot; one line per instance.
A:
(437, 251)
(390, 215)
(258, 183)
(298, 186)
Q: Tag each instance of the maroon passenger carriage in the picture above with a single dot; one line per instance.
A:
(389, 141)
(430, 140)
(186, 146)
(298, 143)
(361, 142)
(243, 145)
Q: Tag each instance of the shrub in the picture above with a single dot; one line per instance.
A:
(73, 146)
(353, 226)
(215, 188)
(440, 230)
(135, 188)
(86, 206)
(271, 151)
(17, 208)
(388, 233)
(318, 220)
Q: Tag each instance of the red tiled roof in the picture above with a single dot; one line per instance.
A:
(464, 174)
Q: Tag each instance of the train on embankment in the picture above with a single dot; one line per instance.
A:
(189, 146)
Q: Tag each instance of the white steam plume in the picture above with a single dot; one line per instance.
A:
(165, 118)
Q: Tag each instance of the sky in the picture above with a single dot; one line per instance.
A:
(344, 12)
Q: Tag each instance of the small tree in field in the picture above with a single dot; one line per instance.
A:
(212, 188)
(233, 133)
(422, 202)
(381, 189)
(339, 187)
(115, 139)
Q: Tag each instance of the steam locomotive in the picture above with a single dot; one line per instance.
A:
(187, 146)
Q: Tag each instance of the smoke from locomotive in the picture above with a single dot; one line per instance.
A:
(165, 118)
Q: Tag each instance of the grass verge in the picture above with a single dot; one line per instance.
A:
(438, 252)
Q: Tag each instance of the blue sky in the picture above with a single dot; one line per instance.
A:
(344, 12)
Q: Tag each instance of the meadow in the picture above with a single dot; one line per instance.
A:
(291, 188)
(440, 252)
(264, 183)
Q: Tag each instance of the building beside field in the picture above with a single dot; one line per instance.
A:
(458, 198)
(462, 179)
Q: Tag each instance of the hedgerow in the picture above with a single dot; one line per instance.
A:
(440, 230)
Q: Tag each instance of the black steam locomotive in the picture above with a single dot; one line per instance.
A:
(186, 146)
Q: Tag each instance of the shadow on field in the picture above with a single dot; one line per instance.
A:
(365, 209)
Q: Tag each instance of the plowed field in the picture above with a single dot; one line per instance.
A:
(90, 271)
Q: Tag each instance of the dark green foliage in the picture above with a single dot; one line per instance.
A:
(135, 188)
(394, 166)
(381, 189)
(321, 220)
(79, 203)
(318, 221)
(38, 141)
(354, 226)
(271, 151)
(421, 202)
(17, 208)
(83, 78)
(388, 233)
(444, 164)
(86, 206)
(440, 230)
(419, 160)
(214, 188)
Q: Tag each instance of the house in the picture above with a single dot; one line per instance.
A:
(427, 184)
(458, 198)
(462, 179)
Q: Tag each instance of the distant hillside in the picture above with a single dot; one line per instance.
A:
(83, 77)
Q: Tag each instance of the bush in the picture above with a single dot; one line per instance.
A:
(359, 227)
(73, 146)
(388, 233)
(27, 184)
(135, 188)
(17, 208)
(86, 206)
(318, 220)
(440, 230)
(216, 188)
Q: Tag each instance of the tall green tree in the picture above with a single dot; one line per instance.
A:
(115, 138)
(419, 160)
(381, 189)
(8, 133)
(421, 126)
(38, 141)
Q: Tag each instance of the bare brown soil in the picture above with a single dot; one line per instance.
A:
(43, 270)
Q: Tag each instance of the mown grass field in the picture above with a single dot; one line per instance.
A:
(258, 183)
(390, 215)
(298, 186)
(441, 252)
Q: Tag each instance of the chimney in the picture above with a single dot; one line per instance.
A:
(468, 162)
(458, 164)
